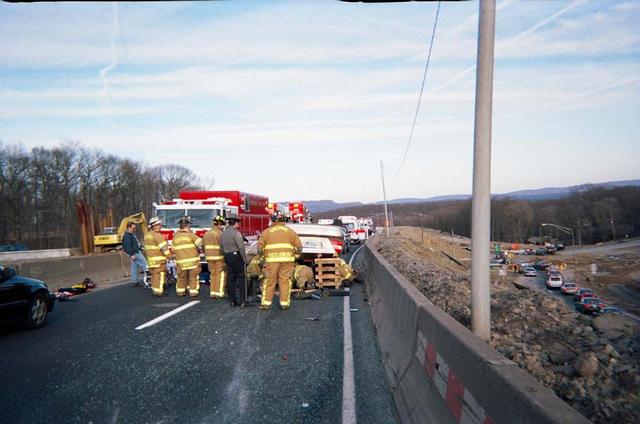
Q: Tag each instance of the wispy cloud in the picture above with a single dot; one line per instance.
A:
(115, 30)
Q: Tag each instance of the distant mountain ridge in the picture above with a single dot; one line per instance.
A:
(319, 206)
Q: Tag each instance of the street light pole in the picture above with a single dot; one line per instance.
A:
(481, 203)
(384, 194)
(566, 230)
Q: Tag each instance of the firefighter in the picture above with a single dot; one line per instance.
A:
(235, 257)
(303, 276)
(157, 252)
(186, 246)
(215, 259)
(254, 276)
(345, 271)
(279, 245)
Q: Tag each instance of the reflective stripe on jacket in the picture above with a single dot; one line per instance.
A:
(211, 242)
(155, 247)
(279, 243)
(185, 247)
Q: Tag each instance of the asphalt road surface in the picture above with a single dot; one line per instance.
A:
(209, 363)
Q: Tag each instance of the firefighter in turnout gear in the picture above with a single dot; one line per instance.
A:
(303, 277)
(215, 259)
(157, 251)
(345, 271)
(279, 245)
(254, 276)
(186, 246)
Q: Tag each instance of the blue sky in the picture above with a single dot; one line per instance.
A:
(300, 100)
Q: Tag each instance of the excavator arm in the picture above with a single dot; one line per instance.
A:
(136, 218)
(107, 242)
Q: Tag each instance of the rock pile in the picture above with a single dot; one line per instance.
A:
(591, 363)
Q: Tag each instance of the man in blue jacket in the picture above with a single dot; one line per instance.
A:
(131, 245)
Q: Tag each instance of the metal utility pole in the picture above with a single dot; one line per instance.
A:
(384, 194)
(481, 204)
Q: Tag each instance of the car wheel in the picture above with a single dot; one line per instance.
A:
(37, 311)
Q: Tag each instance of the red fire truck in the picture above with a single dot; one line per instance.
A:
(202, 206)
(299, 212)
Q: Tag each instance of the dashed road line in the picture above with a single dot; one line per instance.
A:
(167, 315)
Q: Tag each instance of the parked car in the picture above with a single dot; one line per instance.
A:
(554, 281)
(569, 288)
(607, 310)
(541, 252)
(590, 304)
(559, 246)
(541, 265)
(581, 291)
(24, 300)
(578, 298)
(530, 272)
(529, 252)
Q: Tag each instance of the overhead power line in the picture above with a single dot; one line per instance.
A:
(424, 78)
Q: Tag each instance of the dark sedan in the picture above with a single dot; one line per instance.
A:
(23, 299)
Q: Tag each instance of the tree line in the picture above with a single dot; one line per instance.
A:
(594, 214)
(39, 189)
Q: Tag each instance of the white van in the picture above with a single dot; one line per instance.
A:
(359, 232)
(351, 222)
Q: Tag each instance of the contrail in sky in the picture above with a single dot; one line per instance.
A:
(115, 31)
(524, 33)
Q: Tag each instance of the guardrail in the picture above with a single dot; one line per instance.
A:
(439, 371)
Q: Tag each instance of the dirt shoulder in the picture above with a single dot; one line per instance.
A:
(591, 363)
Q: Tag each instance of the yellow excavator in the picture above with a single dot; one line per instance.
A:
(111, 237)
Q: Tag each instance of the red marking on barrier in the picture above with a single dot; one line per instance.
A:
(455, 395)
(430, 356)
(487, 420)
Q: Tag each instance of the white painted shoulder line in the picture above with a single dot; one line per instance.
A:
(167, 315)
(348, 378)
(354, 255)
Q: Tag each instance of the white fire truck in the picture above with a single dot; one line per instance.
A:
(200, 211)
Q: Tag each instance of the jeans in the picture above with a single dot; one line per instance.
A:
(139, 261)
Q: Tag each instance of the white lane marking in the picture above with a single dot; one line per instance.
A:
(167, 315)
(348, 377)
(354, 254)
(348, 381)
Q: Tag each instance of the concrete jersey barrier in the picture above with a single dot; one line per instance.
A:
(26, 255)
(63, 272)
(439, 371)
